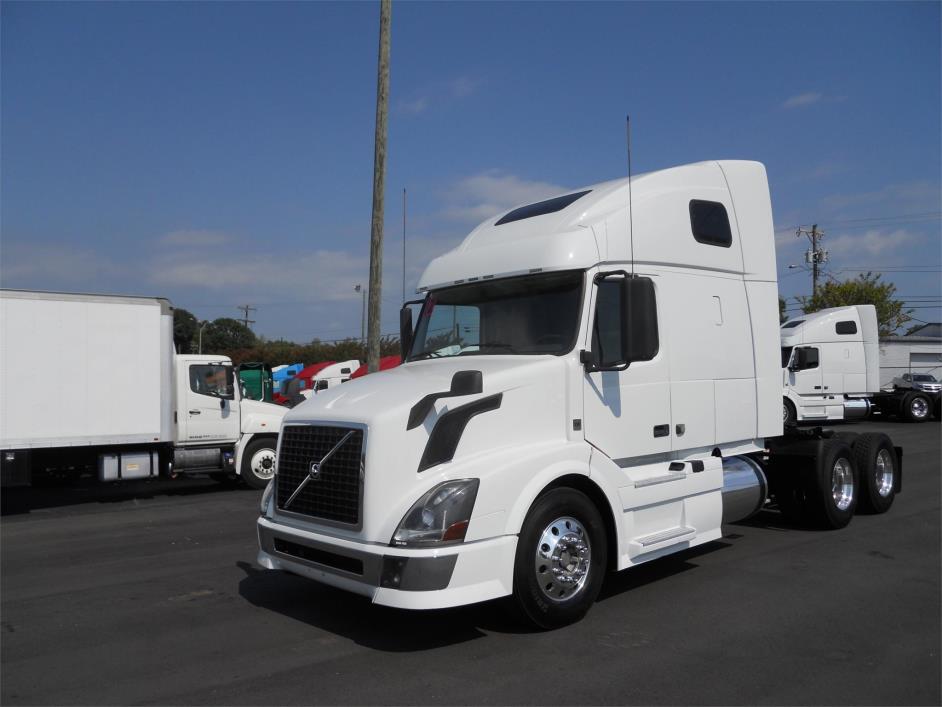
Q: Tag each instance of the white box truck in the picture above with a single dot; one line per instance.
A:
(91, 382)
(831, 370)
(593, 382)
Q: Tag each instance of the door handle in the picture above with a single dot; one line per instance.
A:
(662, 430)
(194, 412)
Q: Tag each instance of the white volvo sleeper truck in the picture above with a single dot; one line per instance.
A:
(92, 383)
(593, 382)
(831, 370)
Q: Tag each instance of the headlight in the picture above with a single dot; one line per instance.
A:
(440, 516)
(267, 495)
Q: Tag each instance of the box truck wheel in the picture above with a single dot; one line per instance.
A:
(833, 496)
(258, 462)
(561, 556)
(915, 407)
(789, 416)
(876, 466)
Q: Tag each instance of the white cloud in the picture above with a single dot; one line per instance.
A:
(194, 238)
(903, 198)
(874, 242)
(439, 93)
(413, 107)
(480, 196)
(802, 100)
(320, 275)
(54, 267)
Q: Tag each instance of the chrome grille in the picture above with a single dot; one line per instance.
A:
(335, 493)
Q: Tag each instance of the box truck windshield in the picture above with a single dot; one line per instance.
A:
(528, 315)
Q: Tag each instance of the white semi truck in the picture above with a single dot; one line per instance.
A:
(831, 370)
(593, 382)
(92, 383)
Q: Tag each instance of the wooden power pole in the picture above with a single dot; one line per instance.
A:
(379, 185)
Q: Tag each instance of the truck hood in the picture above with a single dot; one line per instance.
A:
(527, 409)
(261, 418)
(388, 396)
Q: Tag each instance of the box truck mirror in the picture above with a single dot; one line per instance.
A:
(405, 332)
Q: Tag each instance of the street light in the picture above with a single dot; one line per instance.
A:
(204, 323)
(362, 290)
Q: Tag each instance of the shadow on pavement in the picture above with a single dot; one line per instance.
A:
(378, 627)
(15, 500)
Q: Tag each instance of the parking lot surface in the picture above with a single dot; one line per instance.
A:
(149, 595)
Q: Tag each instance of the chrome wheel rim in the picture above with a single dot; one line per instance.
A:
(919, 407)
(784, 412)
(263, 463)
(883, 473)
(562, 560)
(842, 484)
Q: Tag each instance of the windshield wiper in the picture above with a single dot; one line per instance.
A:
(425, 354)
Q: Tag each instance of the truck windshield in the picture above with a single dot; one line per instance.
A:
(528, 315)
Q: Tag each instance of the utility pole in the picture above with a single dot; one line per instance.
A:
(379, 185)
(814, 255)
(245, 309)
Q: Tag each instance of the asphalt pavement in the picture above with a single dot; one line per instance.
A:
(148, 594)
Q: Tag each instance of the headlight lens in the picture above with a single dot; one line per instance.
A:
(267, 496)
(440, 516)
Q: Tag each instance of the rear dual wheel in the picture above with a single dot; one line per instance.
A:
(877, 465)
(823, 489)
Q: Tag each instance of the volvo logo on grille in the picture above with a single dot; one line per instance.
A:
(314, 471)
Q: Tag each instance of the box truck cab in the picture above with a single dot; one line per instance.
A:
(216, 429)
(129, 407)
(831, 370)
(589, 386)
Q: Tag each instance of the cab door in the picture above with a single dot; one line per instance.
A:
(210, 409)
(804, 378)
(626, 407)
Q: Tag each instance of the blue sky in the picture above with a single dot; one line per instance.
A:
(220, 154)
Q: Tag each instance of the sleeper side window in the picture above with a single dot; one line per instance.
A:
(846, 327)
(710, 223)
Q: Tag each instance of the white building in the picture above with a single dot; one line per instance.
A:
(919, 352)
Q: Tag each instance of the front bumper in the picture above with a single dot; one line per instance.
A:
(398, 577)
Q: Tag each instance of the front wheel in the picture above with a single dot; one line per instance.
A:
(916, 407)
(561, 558)
(258, 463)
(789, 414)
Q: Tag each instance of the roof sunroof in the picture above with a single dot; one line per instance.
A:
(541, 207)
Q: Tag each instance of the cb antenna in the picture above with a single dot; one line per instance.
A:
(631, 229)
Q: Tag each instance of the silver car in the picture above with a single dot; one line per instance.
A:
(918, 381)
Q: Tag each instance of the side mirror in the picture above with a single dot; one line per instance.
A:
(804, 358)
(229, 393)
(405, 332)
(467, 383)
(611, 337)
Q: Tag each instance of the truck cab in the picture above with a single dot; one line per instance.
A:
(830, 364)
(216, 429)
(582, 388)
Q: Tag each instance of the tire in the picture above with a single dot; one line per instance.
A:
(833, 490)
(877, 468)
(915, 407)
(258, 462)
(789, 414)
(563, 531)
(937, 408)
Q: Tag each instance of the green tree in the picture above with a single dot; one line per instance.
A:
(225, 336)
(781, 310)
(185, 329)
(863, 289)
